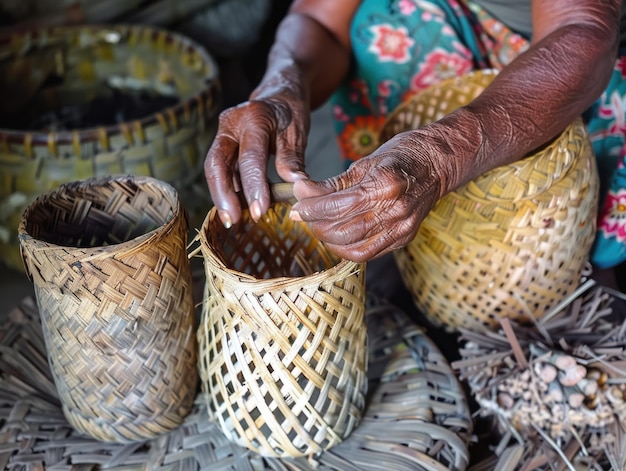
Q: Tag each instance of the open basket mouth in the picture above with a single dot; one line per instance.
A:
(523, 179)
(65, 79)
(274, 248)
(100, 213)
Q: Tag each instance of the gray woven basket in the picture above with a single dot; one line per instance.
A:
(108, 261)
(416, 418)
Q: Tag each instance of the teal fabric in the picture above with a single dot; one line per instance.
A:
(403, 46)
(400, 47)
(607, 128)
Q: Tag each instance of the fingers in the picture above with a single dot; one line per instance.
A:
(253, 157)
(221, 177)
(290, 147)
(303, 189)
(355, 223)
(365, 212)
(376, 245)
(238, 157)
(358, 190)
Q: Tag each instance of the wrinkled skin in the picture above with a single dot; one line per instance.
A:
(274, 120)
(379, 203)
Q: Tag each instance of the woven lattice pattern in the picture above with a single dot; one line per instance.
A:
(513, 242)
(416, 419)
(282, 339)
(168, 144)
(112, 281)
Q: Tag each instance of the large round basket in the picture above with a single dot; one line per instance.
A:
(513, 242)
(94, 101)
(416, 418)
(112, 281)
(283, 351)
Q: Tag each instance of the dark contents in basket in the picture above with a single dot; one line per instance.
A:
(106, 106)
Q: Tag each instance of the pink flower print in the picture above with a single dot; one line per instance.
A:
(447, 30)
(385, 87)
(440, 65)
(383, 109)
(339, 114)
(360, 92)
(616, 110)
(621, 66)
(391, 44)
(613, 220)
(407, 7)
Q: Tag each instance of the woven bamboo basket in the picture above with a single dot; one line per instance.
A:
(109, 265)
(92, 101)
(282, 339)
(511, 243)
(417, 417)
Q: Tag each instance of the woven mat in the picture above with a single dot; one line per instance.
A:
(417, 417)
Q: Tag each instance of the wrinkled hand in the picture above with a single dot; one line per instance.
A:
(274, 121)
(377, 205)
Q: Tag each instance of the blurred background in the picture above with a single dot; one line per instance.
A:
(237, 34)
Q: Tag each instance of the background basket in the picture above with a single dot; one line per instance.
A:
(113, 286)
(416, 418)
(93, 101)
(282, 340)
(511, 243)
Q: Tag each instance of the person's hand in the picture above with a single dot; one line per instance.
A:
(378, 204)
(274, 121)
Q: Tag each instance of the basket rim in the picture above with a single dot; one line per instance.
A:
(92, 134)
(443, 84)
(93, 253)
(342, 269)
(548, 149)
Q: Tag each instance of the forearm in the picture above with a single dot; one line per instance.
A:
(306, 51)
(528, 103)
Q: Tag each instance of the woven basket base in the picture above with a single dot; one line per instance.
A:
(417, 417)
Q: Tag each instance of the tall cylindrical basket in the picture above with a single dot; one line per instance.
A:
(513, 242)
(108, 261)
(283, 353)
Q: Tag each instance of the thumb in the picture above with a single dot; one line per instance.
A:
(305, 188)
(308, 188)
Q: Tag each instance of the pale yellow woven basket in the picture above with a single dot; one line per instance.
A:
(93, 101)
(112, 281)
(283, 354)
(513, 242)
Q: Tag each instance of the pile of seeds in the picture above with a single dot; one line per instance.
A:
(555, 390)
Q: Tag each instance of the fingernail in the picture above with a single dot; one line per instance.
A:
(255, 210)
(225, 218)
(295, 216)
